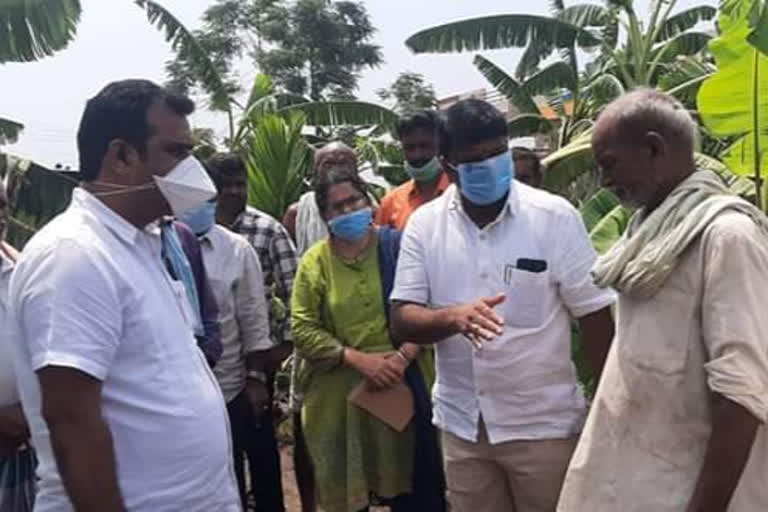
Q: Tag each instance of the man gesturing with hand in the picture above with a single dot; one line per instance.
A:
(492, 272)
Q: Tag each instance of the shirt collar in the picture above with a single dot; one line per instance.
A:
(208, 238)
(118, 225)
(511, 208)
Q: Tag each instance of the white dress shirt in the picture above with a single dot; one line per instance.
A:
(9, 394)
(523, 383)
(235, 276)
(90, 292)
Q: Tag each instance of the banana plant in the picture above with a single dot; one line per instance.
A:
(264, 99)
(648, 49)
(35, 194)
(29, 31)
(605, 219)
(9, 131)
(182, 40)
(588, 94)
(277, 157)
(384, 155)
(734, 102)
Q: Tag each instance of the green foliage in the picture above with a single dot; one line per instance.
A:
(734, 102)
(410, 92)
(607, 231)
(507, 86)
(185, 43)
(9, 131)
(385, 157)
(278, 160)
(755, 12)
(494, 32)
(36, 195)
(205, 143)
(569, 162)
(684, 20)
(684, 77)
(648, 49)
(580, 360)
(31, 29)
(313, 48)
(321, 47)
(339, 113)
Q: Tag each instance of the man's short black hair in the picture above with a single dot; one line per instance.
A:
(119, 111)
(427, 120)
(521, 154)
(225, 165)
(471, 121)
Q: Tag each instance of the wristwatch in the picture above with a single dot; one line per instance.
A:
(257, 375)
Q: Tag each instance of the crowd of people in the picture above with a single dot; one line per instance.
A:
(141, 332)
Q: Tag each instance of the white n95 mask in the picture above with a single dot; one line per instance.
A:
(186, 186)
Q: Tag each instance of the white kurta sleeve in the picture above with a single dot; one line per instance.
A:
(734, 319)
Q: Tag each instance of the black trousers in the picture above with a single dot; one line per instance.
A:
(256, 442)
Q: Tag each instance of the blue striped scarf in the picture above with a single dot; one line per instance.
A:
(174, 255)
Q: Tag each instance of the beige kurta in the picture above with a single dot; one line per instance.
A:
(706, 330)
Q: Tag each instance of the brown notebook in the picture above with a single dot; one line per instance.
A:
(393, 406)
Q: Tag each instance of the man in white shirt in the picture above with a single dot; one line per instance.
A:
(15, 460)
(497, 260)
(124, 411)
(236, 279)
(679, 420)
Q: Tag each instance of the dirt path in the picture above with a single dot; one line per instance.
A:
(290, 490)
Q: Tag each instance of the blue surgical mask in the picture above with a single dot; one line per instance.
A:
(487, 181)
(426, 172)
(201, 219)
(352, 226)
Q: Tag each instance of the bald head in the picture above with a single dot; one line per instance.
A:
(648, 110)
(333, 156)
(643, 144)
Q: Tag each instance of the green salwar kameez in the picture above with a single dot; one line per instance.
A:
(335, 305)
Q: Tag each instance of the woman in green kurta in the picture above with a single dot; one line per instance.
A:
(340, 330)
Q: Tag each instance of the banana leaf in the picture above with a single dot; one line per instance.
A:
(734, 102)
(35, 194)
(278, 159)
(609, 229)
(31, 29)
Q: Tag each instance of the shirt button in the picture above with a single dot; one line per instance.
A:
(484, 275)
(481, 393)
(482, 236)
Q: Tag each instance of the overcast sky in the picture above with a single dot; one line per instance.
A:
(115, 41)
